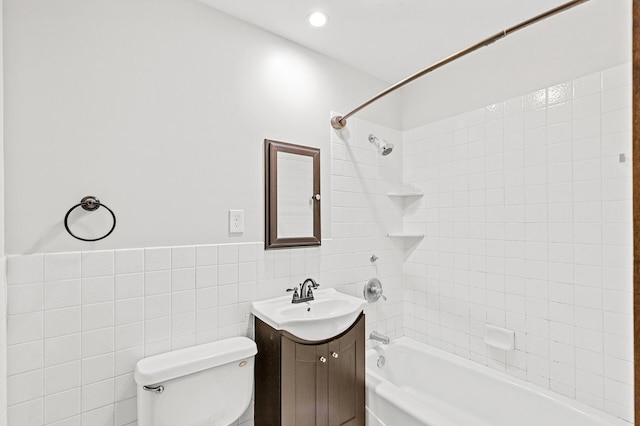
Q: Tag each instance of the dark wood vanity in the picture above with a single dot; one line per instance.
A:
(310, 383)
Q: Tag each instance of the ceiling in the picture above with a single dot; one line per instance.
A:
(389, 39)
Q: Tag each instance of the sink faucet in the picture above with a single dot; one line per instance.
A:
(379, 337)
(306, 288)
(306, 291)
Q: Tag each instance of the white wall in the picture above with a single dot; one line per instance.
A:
(528, 220)
(160, 109)
(585, 39)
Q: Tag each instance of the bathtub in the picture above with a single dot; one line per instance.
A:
(420, 385)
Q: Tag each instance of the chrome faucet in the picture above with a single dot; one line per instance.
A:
(306, 291)
(379, 337)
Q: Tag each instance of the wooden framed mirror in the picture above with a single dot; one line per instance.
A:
(292, 195)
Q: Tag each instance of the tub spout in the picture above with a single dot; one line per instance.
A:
(379, 337)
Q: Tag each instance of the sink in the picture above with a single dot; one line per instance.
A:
(328, 315)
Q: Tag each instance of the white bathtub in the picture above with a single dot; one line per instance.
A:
(420, 385)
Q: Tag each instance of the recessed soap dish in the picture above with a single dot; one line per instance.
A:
(500, 338)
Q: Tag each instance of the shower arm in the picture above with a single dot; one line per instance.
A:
(340, 121)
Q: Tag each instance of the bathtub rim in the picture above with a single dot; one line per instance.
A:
(461, 362)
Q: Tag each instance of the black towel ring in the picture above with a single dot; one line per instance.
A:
(89, 203)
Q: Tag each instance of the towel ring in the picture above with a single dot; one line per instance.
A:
(89, 203)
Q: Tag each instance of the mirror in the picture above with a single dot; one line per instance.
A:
(292, 195)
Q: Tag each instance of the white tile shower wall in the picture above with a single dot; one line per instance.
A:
(362, 216)
(528, 223)
(79, 321)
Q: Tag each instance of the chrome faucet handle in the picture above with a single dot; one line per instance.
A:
(373, 291)
(377, 291)
(296, 296)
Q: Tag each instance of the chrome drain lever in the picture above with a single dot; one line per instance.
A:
(157, 389)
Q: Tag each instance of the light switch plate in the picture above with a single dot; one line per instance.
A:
(236, 221)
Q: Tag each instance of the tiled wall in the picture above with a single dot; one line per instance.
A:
(528, 222)
(79, 321)
(3, 347)
(363, 214)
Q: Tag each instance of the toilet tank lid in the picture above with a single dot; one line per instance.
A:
(170, 365)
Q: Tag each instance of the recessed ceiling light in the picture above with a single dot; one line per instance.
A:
(317, 19)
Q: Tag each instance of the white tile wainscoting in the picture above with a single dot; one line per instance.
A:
(78, 322)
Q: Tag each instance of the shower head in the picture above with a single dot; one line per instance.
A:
(384, 147)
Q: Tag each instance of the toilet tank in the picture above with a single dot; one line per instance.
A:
(205, 385)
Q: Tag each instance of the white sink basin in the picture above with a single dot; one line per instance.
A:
(328, 315)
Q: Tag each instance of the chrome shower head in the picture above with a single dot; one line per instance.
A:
(384, 147)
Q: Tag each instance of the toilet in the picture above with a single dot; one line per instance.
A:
(205, 385)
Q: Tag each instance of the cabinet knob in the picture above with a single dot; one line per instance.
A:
(334, 354)
(323, 359)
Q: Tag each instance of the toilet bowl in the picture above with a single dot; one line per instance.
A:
(205, 385)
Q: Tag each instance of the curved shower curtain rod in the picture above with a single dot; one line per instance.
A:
(340, 121)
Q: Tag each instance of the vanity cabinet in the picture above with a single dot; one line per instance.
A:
(300, 383)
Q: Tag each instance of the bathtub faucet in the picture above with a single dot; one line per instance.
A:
(379, 337)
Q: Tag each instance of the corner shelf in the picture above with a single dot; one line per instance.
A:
(405, 195)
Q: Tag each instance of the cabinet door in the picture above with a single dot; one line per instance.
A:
(346, 378)
(304, 384)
